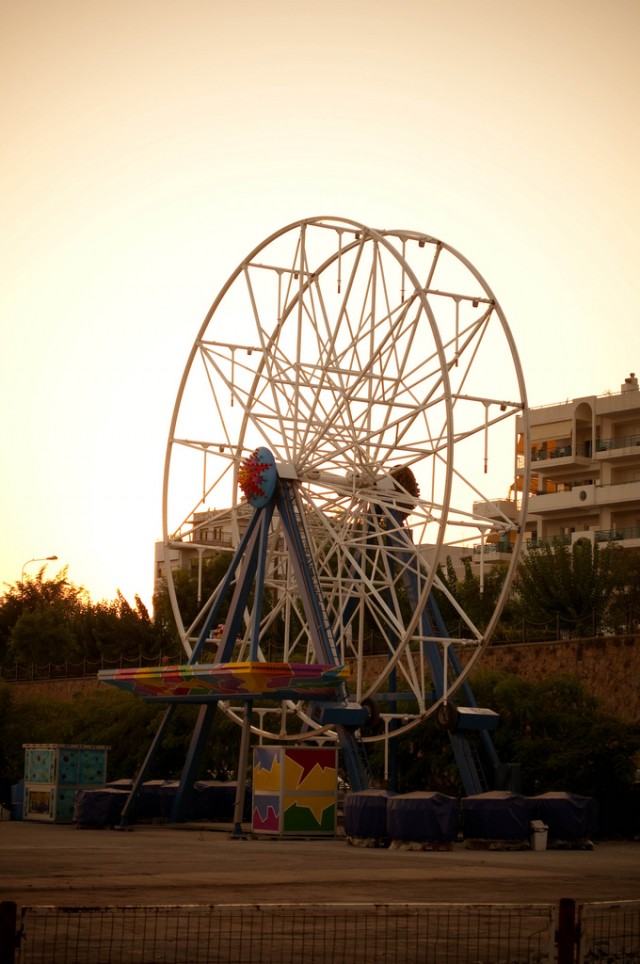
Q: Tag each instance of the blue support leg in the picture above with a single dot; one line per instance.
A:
(185, 793)
(129, 810)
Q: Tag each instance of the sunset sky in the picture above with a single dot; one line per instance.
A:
(149, 146)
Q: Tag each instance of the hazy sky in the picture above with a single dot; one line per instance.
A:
(149, 146)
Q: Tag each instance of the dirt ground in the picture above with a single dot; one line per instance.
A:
(150, 865)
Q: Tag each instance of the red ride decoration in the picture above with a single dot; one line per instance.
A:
(250, 476)
(257, 477)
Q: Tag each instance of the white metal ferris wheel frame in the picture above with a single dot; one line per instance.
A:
(328, 449)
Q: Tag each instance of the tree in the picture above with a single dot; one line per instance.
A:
(623, 614)
(42, 636)
(478, 600)
(37, 617)
(53, 621)
(568, 583)
(558, 734)
(108, 717)
(112, 629)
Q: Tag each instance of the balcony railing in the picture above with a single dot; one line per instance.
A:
(208, 538)
(493, 549)
(562, 448)
(551, 449)
(625, 442)
(601, 535)
(565, 487)
(618, 535)
(559, 449)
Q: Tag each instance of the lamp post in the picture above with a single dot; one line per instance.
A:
(37, 559)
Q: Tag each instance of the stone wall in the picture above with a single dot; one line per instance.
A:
(609, 667)
(58, 689)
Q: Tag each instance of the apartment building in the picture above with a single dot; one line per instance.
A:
(585, 483)
(585, 469)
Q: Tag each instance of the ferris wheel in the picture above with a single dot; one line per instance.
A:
(370, 380)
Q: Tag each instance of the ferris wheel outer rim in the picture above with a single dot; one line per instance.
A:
(381, 237)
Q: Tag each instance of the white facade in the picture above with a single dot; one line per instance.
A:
(211, 533)
(585, 469)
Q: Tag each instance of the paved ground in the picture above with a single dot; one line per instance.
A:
(65, 866)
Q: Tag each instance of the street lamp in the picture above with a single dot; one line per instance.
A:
(39, 559)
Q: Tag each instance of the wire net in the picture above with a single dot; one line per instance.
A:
(610, 931)
(340, 934)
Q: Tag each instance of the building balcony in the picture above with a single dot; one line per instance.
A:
(559, 454)
(567, 501)
(493, 552)
(627, 445)
(630, 535)
(585, 497)
(496, 510)
(208, 540)
(551, 449)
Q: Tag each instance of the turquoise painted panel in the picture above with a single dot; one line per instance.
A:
(68, 766)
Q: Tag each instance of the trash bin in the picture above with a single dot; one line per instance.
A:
(538, 835)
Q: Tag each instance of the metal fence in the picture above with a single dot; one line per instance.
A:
(417, 933)
(82, 669)
(609, 931)
(290, 934)
(556, 630)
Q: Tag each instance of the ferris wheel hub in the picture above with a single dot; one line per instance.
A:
(257, 477)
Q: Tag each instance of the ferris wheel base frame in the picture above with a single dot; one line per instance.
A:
(323, 686)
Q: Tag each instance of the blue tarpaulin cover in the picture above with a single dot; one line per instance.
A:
(430, 817)
(497, 815)
(215, 800)
(156, 799)
(212, 800)
(99, 808)
(568, 816)
(365, 813)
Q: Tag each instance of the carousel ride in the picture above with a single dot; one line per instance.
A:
(346, 412)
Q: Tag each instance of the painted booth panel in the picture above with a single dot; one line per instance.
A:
(294, 790)
(40, 765)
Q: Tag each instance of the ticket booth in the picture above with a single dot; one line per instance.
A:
(52, 775)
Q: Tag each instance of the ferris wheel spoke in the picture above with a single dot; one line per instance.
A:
(353, 356)
(336, 381)
(266, 377)
(185, 526)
